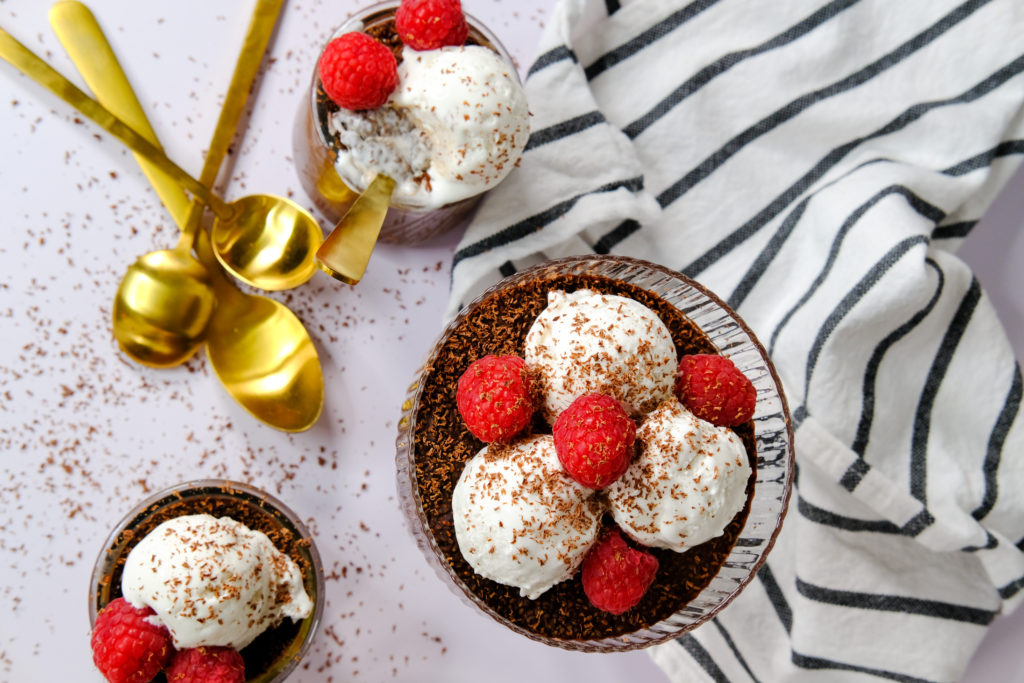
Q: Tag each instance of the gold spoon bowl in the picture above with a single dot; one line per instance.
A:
(268, 243)
(262, 354)
(162, 308)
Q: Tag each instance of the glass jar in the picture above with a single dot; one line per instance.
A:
(425, 483)
(315, 155)
(276, 652)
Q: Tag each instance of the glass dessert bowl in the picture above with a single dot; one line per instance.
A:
(273, 654)
(332, 179)
(690, 587)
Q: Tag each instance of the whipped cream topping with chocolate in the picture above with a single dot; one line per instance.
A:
(213, 581)
(685, 485)
(585, 343)
(455, 126)
(520, 519)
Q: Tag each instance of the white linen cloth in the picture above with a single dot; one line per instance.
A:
(817, 164)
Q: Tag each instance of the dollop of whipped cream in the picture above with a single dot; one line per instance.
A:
(520, 520)
(685, 485)
(213, 581)
(455, 126)
(585, 342)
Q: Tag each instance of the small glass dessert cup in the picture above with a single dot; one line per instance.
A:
(690, 588)
(274, 654)
(315, 153)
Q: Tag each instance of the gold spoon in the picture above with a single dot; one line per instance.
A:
(346, 251)
(262, 354)
(266, 241)
(165, 299)
(259, 350)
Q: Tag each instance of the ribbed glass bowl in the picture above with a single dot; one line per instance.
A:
(235, 495)
(772, 436)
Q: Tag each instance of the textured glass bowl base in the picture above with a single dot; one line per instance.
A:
(251, 504)
(772, 436)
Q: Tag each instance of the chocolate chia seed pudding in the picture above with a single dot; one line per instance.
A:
(320, 152)
(273, 654)
(434, 445)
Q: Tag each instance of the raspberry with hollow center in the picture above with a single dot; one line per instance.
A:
(594, 440)
(358, 71)
(207, 665)
(714, 389)
(431, 24)
(495, 397)
(615, 576)
(126, 646)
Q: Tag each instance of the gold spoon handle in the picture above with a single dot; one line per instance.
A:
(261, 26)
(346, 251)
(82, 38)
(42, 73)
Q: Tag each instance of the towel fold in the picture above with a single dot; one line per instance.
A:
(817, 164)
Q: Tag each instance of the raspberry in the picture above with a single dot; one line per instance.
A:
(615, 576)
(594, 440)
(126, 647)
(430, 24)
(714, 389)
(495, 397)
(207, 665)
(358, 71)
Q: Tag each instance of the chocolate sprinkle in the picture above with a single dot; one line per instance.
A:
(442, 445)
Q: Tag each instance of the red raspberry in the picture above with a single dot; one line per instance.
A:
(615, 576)
(358, 71)
(430, 24)
(126, 647)
(207, 665)
(714, 389)
(495, 397)
(594, 440)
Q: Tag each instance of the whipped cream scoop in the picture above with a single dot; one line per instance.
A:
(213, 581)
(520, 519)
(455, 126)
(585, 342)
(687, 482)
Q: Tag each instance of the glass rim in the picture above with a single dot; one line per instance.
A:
(228, 486)
(416, 518)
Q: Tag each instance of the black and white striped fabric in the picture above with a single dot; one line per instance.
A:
(817, 164)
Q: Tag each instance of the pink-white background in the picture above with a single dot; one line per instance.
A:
(85, 434)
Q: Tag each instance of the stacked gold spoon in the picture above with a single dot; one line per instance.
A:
(168, 303)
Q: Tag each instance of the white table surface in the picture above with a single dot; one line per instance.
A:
(85, 433)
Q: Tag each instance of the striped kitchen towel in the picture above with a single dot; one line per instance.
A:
(817, 164)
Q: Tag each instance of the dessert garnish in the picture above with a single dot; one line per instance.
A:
(207, 587)
(207, 665)
(127, 647)
(585, 342)
(526, 513)
(686, 483)
(594, 439)
(358, 71)
(430, 24)
(714, 389)
(616, 576)
(495, 397)
(520, 519)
